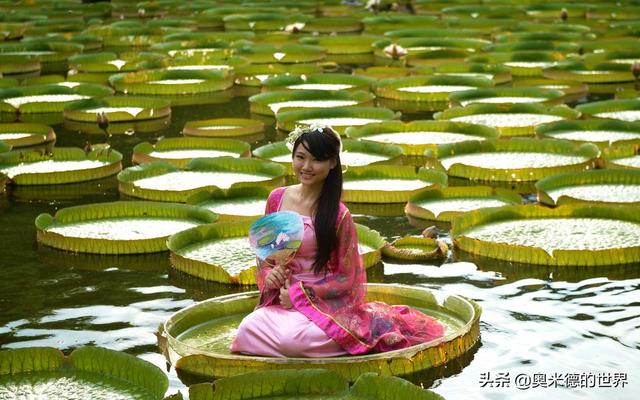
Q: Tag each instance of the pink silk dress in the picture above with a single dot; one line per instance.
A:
(329, 315)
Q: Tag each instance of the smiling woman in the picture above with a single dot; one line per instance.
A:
(313, 305)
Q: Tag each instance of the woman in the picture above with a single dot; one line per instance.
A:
(314, 305)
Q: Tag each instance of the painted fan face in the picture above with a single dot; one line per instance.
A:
(276, 236)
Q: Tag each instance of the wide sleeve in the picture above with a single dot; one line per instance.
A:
(270, 296)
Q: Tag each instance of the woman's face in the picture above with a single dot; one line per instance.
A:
(308, 170)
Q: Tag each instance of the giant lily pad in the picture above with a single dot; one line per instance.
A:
(413, 248)
(600, 132)
(417, 136)
(47, 98)
(623, 110)
(271, 102)
(569, 235)
(355, 153)
(63, 165)
(19, 66)
(309, 384)
(108, 62)
(370, 245)
(339, 119)
(262, 21)
(235, 204)
(517, 95)
(344, 44)
(341, 24)
(390, 22)
(599, 73)
(285, 54)
(427, 88)
(333, 81)
(626, 157)
(217, 252)
(156, 82)
(22, 135)
(508, 119)
(255, 74)
(162, 181)
(122, 227)
(118, 109)
(515, 160)
(198, 337)
(443, 205)
(496, 73)
(599, 186)
(223, 127)
(521, 63)
(179, 151)
(88, 372)
(387, 184)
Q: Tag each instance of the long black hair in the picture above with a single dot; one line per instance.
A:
(324, 144)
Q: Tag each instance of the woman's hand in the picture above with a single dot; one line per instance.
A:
(277, 277)
(285, 300)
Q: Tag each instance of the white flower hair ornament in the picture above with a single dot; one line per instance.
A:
(300, 129)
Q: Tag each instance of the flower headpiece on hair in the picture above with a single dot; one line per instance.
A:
(300, 129)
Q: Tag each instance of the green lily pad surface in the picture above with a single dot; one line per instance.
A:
(198, 337)
(310, 384)
(88, 373)
(179, 151)
(219, 252)
(119, 227)
(159, 180)
(64, 165)
(21, 135)
(387, 184)
(447, 203)
(567, 235)
(602, 133)
(518, 159)
(601, 186)
(223, 127)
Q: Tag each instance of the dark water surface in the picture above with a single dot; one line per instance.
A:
(578, 329)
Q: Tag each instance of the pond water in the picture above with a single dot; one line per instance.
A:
(550, 326)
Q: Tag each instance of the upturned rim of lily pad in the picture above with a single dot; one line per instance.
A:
(117, 209)
(553, 128)
(207, 270)
(475, 109)
(288, 120)
(128, 176)
(389, 88)
(398, 362)
(414, 210)
(431, 178)
(139, 83)
(474, 131)
(142, 151)
(596, 107)
(87, 90)
(95, 360)
(112, 158)
(536, 255)
(39, 134)
(236, 127)
(593, 177)
(261, 103)
(147, 108)
(589, 151)
(550, 96)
